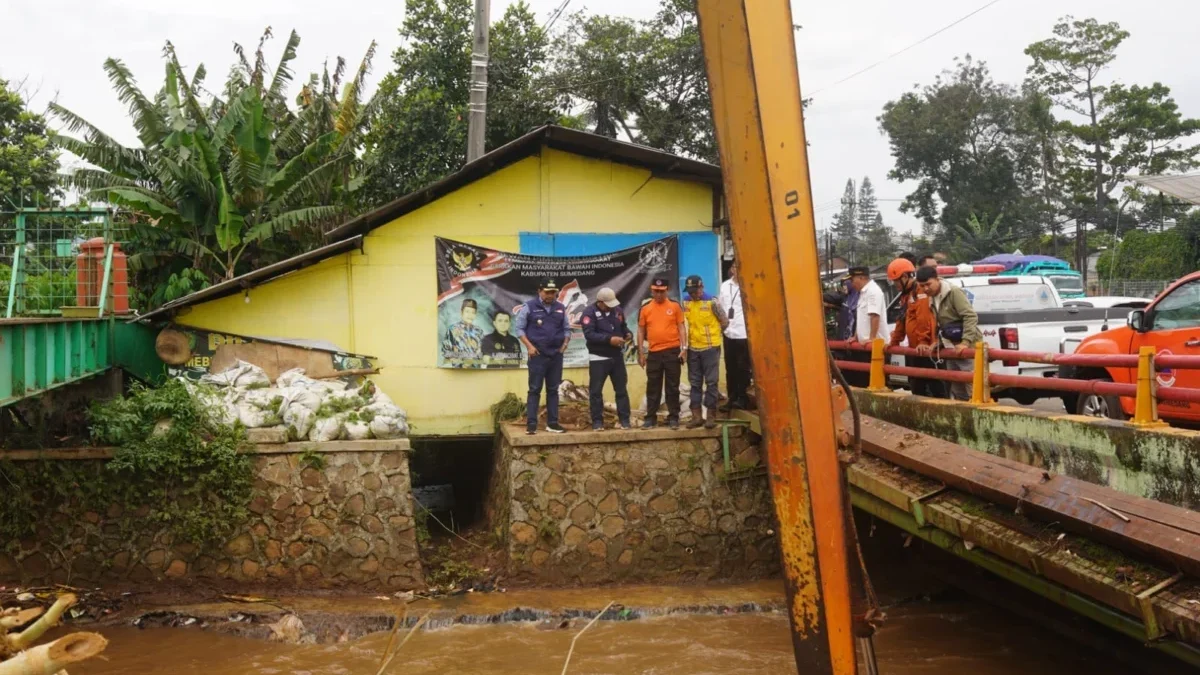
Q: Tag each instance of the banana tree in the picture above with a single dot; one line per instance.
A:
(222, 183)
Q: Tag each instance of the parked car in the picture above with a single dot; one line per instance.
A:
(1026, 313)
(1170, 324)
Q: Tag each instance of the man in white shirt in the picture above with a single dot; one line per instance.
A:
(737, 349)
(869, 323)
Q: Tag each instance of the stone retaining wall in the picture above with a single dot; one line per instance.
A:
(349, 524)
(1161, 464)
(596, 507)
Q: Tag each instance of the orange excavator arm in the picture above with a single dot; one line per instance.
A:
(750, 56)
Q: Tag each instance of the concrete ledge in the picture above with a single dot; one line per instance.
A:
(390, 445)
(1161, 464)
(515, 435)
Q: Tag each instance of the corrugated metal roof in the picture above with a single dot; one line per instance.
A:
(1185, 187)
(260, 275)
(661, 164)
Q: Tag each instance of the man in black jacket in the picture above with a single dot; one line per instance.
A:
(606, 334)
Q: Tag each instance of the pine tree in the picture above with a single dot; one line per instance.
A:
(845, 223)
(879, 246)
(868, 206)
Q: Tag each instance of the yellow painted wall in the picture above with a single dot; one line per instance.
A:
(382, 302)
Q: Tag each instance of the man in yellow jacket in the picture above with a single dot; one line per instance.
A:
(706, 322)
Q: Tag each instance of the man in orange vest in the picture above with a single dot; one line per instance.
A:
(917, 324)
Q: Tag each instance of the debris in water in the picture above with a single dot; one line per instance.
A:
(383, 598)
(25, 597)
(908, 540)
(969, 545)
(244, 598)
(406, 596)
(289, 629)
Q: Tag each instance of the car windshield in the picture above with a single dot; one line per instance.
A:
(1067, 283)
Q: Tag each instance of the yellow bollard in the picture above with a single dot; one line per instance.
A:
(1145, 409)
(878, 380)
(981, 391)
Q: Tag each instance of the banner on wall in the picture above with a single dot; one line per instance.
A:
(480, 291)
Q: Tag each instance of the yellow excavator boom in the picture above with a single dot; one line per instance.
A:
(750, 55)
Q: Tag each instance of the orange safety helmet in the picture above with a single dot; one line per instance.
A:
(898, 268)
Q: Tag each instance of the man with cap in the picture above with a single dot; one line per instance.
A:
(545, 329)
(706, 323)
(662, 327)
(606, 334)
(464, 340)
(868, 321)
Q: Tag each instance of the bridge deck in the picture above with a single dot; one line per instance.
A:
(1133, 594)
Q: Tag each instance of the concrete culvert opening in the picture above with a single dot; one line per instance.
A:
(450, 481)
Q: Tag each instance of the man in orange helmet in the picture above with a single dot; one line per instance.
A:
(917, 324)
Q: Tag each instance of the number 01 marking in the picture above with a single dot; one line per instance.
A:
(791, 199)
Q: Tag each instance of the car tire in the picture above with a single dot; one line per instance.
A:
(1097, 405)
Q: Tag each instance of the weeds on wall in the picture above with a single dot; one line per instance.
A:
(173, 466)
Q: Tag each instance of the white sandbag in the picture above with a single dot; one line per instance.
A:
(385, 427)
(357, 430)
(254, 417)
(386, 410)
(326, 429)
(298, 420)
(288, 378)
(381, 398)
(299, 396)
(240, 374)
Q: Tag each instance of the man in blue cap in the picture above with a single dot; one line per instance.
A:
(607, 335)
(545, 329)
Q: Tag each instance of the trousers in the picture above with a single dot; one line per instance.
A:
(543, 371)
(737, 369)
(662, 365)
(922, 386)
(598, 372)
(703, 372)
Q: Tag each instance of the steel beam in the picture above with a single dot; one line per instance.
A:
(750, 57)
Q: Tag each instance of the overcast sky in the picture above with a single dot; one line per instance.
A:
(58, 47)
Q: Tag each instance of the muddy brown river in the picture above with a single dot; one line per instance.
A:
(942, 638)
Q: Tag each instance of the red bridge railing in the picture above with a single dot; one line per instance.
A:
(1145, 391)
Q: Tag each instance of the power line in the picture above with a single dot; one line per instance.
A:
(915, 44)
(554, 16)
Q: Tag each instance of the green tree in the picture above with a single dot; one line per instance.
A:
(960, 139)
(28, 158)
(879, 246)
(845, 224)
(420, 132)
(219, 185)
(978, 238)
(1115, 131)
(1148, 255)
(645, 80)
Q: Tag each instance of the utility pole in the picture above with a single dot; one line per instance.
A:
(477, 108)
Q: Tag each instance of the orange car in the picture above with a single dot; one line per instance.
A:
(1170, 324)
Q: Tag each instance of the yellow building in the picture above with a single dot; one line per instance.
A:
(373, 290)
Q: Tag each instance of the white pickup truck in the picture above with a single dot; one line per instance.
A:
(1025, 313)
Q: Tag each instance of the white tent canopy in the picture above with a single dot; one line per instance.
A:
(1185, 187)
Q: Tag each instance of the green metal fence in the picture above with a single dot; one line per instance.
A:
(41, 250)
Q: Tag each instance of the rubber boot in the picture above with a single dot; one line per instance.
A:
(711, 422)
(697, 420)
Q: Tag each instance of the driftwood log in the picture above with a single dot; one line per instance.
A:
(19, 656)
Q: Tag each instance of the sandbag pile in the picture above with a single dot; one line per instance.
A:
(314, 410)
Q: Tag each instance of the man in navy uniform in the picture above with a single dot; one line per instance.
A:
(606, 334)
(545, 329)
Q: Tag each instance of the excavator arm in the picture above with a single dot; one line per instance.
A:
(750, 57)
